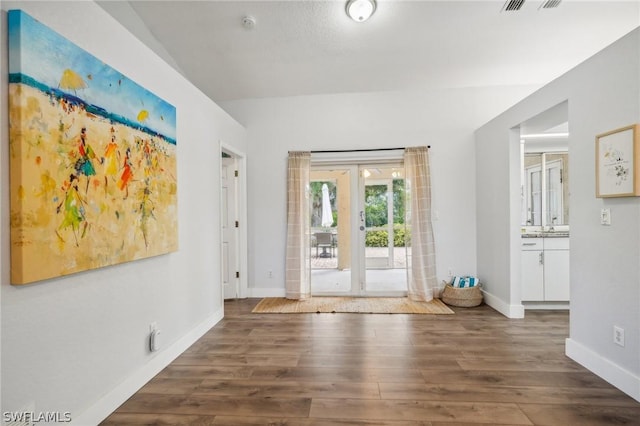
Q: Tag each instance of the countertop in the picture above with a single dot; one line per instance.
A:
(559, 234)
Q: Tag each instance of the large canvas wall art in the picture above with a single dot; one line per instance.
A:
(92, 160)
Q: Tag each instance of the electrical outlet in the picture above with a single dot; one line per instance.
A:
(270, 274)
(618, 335)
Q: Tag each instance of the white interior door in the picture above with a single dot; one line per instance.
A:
(229, 212)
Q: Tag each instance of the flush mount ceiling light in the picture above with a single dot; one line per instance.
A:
(360, 10)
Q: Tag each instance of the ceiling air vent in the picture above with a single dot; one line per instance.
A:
(550, 4)
(512, 5)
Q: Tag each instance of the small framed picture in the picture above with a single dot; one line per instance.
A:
(617, 158)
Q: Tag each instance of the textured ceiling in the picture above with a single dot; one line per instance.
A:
(310, 47)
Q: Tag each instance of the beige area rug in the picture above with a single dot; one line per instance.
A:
(363, 305)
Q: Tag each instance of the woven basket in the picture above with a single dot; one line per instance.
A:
(462, 297)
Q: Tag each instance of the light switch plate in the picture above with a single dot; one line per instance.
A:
(605, 216)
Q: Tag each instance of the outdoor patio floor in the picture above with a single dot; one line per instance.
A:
(327, 279)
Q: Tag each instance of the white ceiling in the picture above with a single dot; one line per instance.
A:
(305, 47)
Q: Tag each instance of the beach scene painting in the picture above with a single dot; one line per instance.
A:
(92, 156)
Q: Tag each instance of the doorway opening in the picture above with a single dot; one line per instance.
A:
(233, 219)
(544, 218)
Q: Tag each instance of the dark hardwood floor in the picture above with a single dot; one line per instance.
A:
(474, 367)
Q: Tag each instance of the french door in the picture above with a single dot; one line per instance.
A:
(358, 234)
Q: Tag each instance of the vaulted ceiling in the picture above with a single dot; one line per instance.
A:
(307, 47)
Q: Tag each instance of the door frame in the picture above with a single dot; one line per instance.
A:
(241, 205)
(358, 263)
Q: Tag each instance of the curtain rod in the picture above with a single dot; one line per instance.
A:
(358, 150)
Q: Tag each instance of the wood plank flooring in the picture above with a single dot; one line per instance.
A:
(474, 367)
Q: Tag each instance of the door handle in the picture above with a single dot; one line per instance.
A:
(361, 215)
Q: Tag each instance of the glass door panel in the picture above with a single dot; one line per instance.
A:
(331, 216)
(383, 237)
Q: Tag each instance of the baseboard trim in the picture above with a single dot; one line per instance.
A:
(113, 399)
(622, 379)
(509, 311)
(548, 306)
(266, 292)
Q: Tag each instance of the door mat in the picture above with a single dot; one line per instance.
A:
(363, 305)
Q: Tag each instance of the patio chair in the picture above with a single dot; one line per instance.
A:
(324, 240)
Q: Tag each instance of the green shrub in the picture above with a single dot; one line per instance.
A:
(401, 236)
(380, 237)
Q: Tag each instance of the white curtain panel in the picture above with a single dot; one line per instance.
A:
(422, 268)
(298, 263)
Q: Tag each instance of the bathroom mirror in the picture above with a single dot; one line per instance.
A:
(545, 189)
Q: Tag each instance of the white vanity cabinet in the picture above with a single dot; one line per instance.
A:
(545, 269)
(532, 269)
(556, 269)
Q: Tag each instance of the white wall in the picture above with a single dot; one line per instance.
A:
(443, 119)
(603, 93)
(79, 343)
